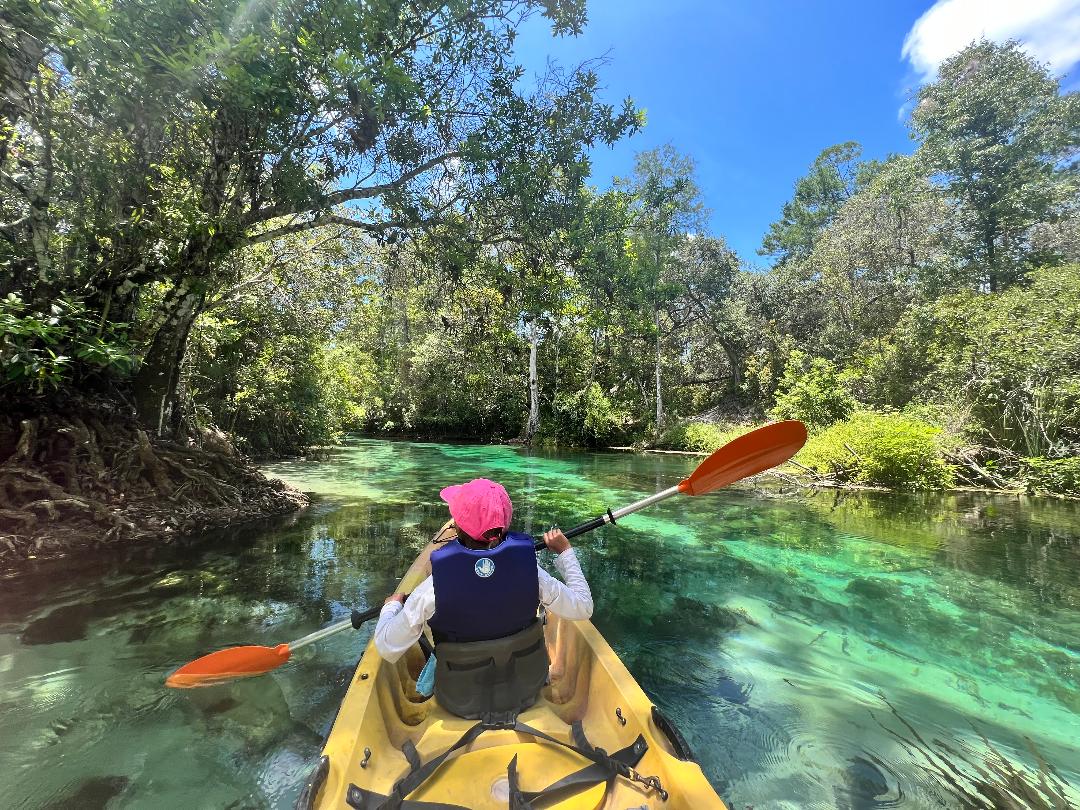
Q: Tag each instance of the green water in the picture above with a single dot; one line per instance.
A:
(771, 627)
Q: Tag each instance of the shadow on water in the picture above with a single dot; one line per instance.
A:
(92, 794)
(765, 626)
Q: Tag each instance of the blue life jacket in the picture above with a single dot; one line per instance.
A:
(484, 594)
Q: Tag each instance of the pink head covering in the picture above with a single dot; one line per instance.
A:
(479, 506)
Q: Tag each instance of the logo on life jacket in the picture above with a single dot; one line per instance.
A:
(484, 567)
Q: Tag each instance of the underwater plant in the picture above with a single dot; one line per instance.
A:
(986, 779)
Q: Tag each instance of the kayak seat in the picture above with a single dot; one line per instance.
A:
(478, 678)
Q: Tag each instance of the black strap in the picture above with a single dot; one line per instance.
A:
(362, 799)
(592, 774)
(597, 755)
(411, 754)
(417, 776)
(602, 768)
(517, 798)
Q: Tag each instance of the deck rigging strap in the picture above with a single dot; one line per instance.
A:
(603, 767)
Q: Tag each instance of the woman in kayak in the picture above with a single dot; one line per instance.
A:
(481, 604)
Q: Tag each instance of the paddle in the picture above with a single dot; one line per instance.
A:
(242, 662)
(751, 453)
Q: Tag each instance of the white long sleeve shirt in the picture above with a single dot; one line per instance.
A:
(401, 625)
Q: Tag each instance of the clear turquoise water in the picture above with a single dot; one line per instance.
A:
(772, 627)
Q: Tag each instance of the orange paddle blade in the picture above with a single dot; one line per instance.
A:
(225, 665)
(751, 453)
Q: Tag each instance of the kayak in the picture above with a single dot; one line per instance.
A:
(593, 739)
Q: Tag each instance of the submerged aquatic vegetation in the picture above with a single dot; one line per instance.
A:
(986, 779)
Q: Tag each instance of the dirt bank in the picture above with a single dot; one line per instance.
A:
(87, 473)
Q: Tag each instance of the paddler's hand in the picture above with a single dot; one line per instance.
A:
(397, 597)
(555, 540)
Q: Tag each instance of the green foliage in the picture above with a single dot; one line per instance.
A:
(886, 449)
(475, 387)
(1010, 359)
(1018, 356)
(698, 437)
(996, 127)
(587, 418)
(812, 391)
(41, 351)
(836, 174)
(285, 401)
(1060, 476)
(151, 142)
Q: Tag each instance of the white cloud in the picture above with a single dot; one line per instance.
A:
(1048, 29)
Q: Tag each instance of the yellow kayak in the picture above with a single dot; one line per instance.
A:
(592, 740)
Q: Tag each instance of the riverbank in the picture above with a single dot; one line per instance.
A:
(893, 451)
(895, 464)
(86, 474)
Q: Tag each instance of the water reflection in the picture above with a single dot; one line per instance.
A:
(769, 625)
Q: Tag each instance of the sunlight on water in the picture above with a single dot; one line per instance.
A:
(771, 627)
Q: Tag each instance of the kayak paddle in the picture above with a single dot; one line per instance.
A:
(749, 454)
(241, 662)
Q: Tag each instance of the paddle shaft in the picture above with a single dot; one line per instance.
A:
(353, 622)
(611, 516)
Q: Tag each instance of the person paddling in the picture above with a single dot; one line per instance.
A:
(481, 604)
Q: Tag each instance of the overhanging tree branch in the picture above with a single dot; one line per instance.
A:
(348, 195)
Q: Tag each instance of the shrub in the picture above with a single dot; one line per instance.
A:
(40, 350)
(588, 418)
(1060, 476)
(811, 391)
(697, 437)
(888, 449)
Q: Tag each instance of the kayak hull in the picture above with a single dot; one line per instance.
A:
(382, 711)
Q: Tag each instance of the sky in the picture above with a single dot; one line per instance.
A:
(753, 90)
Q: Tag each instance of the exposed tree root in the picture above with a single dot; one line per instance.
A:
(92, 475)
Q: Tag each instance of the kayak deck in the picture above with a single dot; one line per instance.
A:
(588, 683)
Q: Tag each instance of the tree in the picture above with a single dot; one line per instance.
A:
(269, 359)
(996, 131)
(709, 311)
(882, 251)
(162, 137)
(835, 175)
(668, 206)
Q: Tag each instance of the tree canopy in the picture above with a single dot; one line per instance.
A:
(292, 221)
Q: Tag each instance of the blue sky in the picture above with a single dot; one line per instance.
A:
(753, 91)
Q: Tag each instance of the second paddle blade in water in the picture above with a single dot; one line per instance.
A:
(226, 665)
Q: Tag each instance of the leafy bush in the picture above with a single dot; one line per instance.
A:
(811, 391)
(589, 418)
(1022, 363)
(888, 449)
(40, 350)
(1011, 360)
(697, 437)
(1060, 476)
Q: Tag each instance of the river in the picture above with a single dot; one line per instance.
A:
(800, 641)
